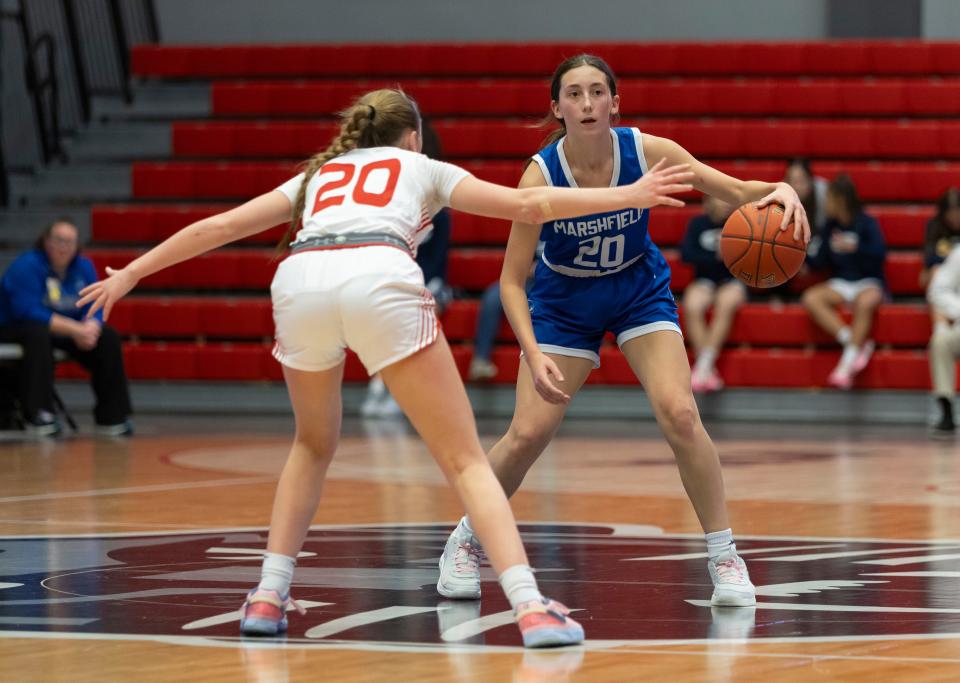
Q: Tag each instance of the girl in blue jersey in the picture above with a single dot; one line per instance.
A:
(601, 273)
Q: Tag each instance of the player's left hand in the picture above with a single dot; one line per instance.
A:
(793, 211)
(105, 293)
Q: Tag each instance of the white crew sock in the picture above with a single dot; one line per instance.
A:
(850, 352)
(464, 526)
(519, 585)
(718, 542)
(705, 361)
(277, 573)
(843, 336)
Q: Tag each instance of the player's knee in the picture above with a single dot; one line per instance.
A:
(680, 418)
(812, 298)
(319, 443)
(529, 438)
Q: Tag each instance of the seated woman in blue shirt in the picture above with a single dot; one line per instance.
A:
(712, 285)
(851, 247)
(38, 295)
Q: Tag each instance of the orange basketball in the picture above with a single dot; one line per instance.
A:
(756, 251)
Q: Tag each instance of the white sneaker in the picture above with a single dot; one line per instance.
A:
(731, 581)
(376, 390)
(460, 567)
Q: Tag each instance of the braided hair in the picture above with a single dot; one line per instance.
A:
(377, 119)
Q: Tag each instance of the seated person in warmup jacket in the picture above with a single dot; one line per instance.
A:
(38, 295)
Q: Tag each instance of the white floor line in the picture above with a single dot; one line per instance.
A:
(240, 481)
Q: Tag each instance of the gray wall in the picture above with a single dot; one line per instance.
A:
(940, 19)
(21, 147)
(256, 21)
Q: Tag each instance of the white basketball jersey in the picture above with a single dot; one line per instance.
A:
(377, 189)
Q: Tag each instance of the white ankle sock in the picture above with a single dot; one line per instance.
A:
(464, 526)
(277, 573)
(850, 352)
(519, 585)
(718, 542)
(705, 361)
(843, 336)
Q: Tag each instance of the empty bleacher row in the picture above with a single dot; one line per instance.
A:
(881, 111)
(470, 139)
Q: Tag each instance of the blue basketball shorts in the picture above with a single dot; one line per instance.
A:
(571, 315)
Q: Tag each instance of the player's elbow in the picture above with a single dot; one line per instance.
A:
(531, 207)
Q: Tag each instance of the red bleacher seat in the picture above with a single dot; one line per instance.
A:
(852, 58)
(726, 138)
(876, 181)
(639, 97)
(903, 226)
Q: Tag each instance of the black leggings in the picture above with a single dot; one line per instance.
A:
(35, 370)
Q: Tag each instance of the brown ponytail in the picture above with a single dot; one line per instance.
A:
(377, 119)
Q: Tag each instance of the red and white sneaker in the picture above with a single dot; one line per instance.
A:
(731, 581)
(706, 383)
(860, 362)
(265, 613)
(547, 623)
(840, 378)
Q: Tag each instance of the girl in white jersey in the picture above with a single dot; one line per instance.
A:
(562, 323)
(351, 281)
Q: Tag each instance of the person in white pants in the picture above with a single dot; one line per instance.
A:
(944, 297)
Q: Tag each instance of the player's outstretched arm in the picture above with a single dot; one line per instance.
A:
(732, 190)
(536, 205)
(255, 216)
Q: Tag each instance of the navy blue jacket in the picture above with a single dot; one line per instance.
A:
(699, 249)
(866, 261)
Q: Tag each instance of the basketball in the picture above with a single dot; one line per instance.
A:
(756, 251)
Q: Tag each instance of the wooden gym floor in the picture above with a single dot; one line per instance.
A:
(123, 560)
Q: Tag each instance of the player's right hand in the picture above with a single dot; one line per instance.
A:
(657, 184)
(544, 372)
(105, 293)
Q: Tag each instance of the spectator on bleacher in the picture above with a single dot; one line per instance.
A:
(712, 285)
(811, 189)
(489, 316)
(944, 297)
(851, 247)
(942, 234)
(432, 257)
(38, 295)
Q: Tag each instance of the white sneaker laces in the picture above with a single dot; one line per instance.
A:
(466, 559)
(731, 571)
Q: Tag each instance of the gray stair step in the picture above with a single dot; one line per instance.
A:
(123, 141)
(19, 228)
(156, 102)
(73, 185)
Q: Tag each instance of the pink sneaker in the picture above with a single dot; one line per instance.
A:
(840, 378)
(265, 613)
(547, 623)
(706, 384)
(860, 362)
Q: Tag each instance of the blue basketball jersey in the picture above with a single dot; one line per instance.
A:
(602, 243)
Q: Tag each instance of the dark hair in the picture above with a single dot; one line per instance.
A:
(810, 201)
(938, 228)
(431, 141)
(48, 230)
(843, 187)
(376, 119)
(565, 66)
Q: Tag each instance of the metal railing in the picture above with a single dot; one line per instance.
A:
(74, 50)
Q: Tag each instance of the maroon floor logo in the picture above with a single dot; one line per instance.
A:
(376, 584)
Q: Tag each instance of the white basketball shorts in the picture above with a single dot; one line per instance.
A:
(369, 299)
